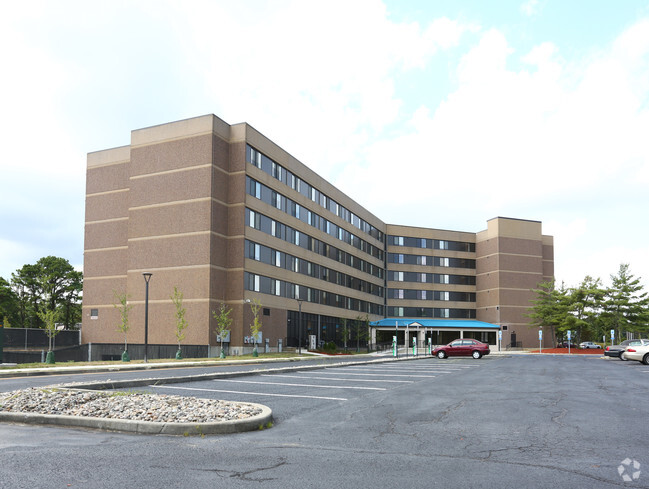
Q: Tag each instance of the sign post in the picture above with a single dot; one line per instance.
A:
(500, 338)
(394, 339)
(540, 341)
(414, 346)
(613, 337)
(569, 335)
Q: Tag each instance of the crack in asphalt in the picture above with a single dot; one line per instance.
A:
(245, 475)
(465, 458)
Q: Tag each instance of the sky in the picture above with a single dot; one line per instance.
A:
(427, 113)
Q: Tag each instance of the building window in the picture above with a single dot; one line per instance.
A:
(94, 313)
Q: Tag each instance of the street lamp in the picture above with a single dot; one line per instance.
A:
(299, 327)
(147, 277)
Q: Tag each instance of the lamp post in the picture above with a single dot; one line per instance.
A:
(147, 277)
(299, 326)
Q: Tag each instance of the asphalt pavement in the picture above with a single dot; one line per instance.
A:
(501, 421)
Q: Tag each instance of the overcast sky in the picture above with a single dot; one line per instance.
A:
(433, 114)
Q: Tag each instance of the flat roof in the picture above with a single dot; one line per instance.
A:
(433, 323)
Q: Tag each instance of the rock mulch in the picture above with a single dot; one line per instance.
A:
(120, 405)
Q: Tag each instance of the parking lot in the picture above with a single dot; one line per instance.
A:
(512, 421)
(288, 394)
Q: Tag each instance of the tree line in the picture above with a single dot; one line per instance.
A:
(49, 290)
(591, 310)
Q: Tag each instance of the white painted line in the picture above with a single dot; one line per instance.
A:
(301, 385)
(248, 393)
(334, 378)
(440, 369)
(390, 375)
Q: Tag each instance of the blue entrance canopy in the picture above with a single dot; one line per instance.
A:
(433, 323)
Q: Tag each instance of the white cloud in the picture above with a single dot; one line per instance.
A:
(530, 8)
(525, 134)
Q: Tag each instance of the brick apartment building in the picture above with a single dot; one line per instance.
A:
(226, 215)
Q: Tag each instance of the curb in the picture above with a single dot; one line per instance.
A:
(6, 373)
(129, 383)
(253, 423)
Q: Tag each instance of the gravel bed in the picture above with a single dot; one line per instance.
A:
(124, 405)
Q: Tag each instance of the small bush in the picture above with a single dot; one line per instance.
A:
(330, 347)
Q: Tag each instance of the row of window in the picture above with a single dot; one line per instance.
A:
(431, 295)
(282, 231)
(267, 255)
(280, 288)
(435, 261)
(433, 244)
(279, 201)
(431, 278)
(431, 312)
(296, 183)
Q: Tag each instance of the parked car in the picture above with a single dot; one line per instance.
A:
(589, 344)
(639, 353)
(618, 350)
(462, 348)
(566, 344)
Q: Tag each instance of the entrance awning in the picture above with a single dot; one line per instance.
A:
(434, 323)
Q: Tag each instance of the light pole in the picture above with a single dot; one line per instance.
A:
(299, 326)
(147, 277)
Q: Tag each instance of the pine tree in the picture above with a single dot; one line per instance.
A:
(626, 306)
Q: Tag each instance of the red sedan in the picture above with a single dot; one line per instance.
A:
(462, 348)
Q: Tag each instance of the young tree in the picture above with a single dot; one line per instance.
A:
(344, 331)
(223, 322)
(49, 317)
(181, 322)
(362, 330)
(124, 307)
(626, 306)
(255, 327)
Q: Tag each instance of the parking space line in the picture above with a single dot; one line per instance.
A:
(248, 393)
(335, 378)
(440, 369)
(300, 385)
(390, 375)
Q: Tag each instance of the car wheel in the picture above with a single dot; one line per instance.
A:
(476, 354)
(441, 354)
(645, 359)
(623, 357)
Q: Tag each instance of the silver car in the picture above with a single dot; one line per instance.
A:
(639, 353)
(618, 350)
(588, 344)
